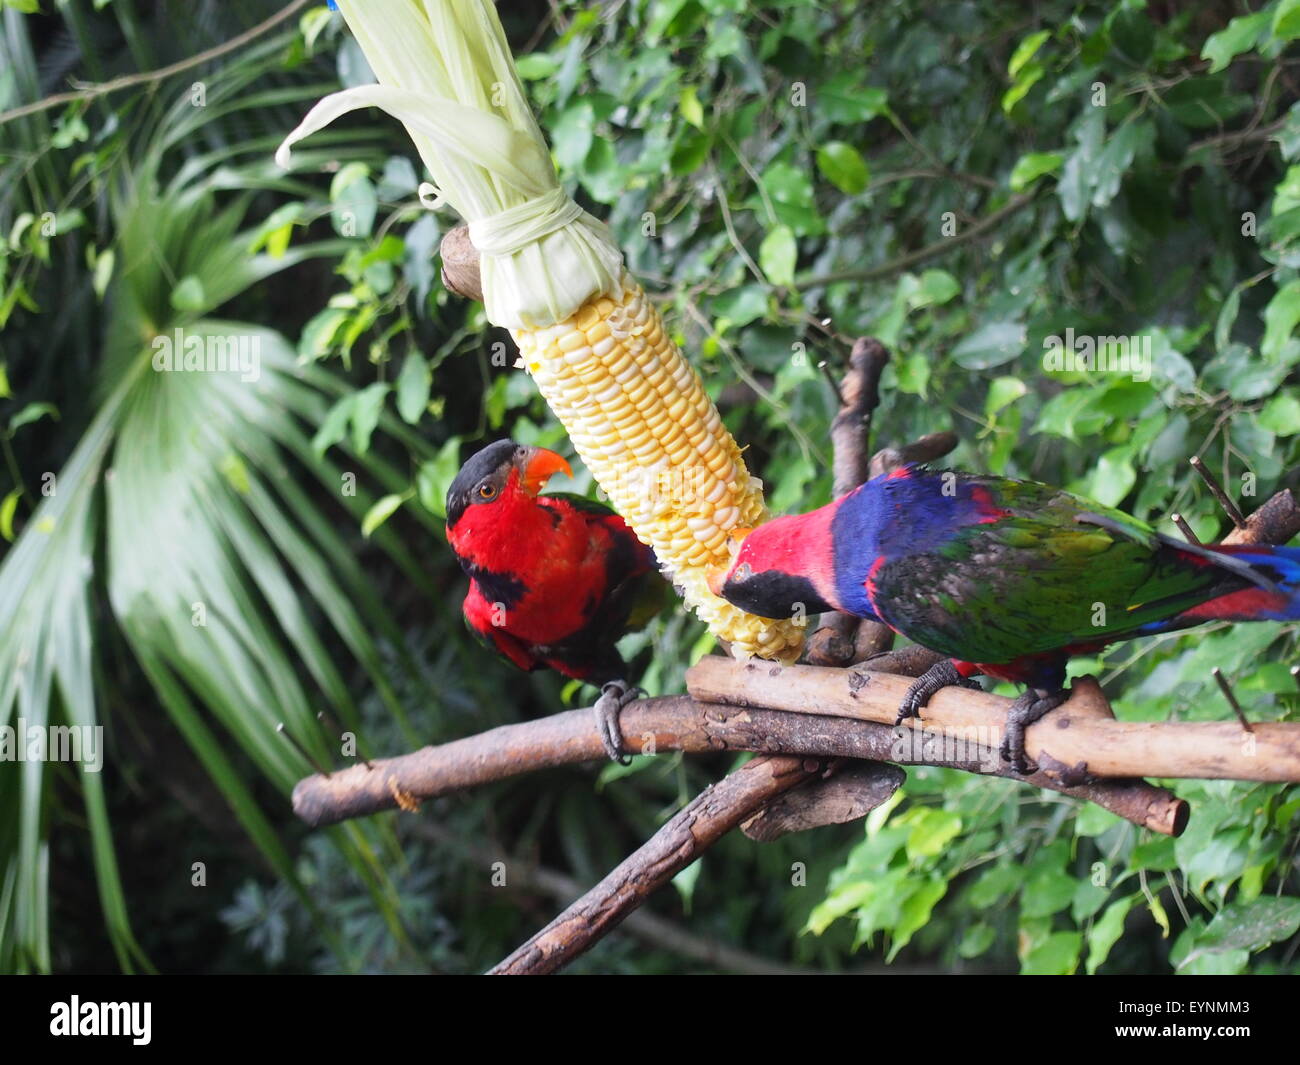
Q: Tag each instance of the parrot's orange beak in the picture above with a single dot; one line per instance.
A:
(539, 466)
(717, 578)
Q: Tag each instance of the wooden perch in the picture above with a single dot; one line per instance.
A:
(1274, 523)
(679, 723)
(850, 791)
(693, 829)
(1213, 750)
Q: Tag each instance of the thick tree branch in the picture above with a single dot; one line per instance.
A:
(928, 449)
(1276, 522)
(692, 830)
(657, 933)
(842, 639)
(833, 644)
(679, 723)
(1214, 750)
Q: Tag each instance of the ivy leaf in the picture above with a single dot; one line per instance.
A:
(1002, 391)
(691, 108)
(31, 413)
(1026, 51)
(572, 134)
(1280, 318)
(1281, 415)
(1113, 478)
(741, 305)
(1249, 926)
(355, 201)
(366, 412)
(7, 509)
(434, 477)
(932, 288)
(1029, 77)
(792, 195)
(413, 385)
(380, 512)
(1033, 165)
(1115, 159)
(843, 166)
(990, 345)
(777, 256)
(318, 334)
(844, 100)
(914, 913)
(1286, 20)
(1240, 35)
(1106, 932)
(1057, 955)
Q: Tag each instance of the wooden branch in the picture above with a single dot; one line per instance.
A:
(697, 826)
(1276, 522)
(928, 449)
(834, 642)
(850, 791)
(859, 397)
(1211, 750)
(678, 723)
(657, 933)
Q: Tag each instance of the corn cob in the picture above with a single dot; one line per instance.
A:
(639, 418)
(552, 274)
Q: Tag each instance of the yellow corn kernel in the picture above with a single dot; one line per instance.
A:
(641, 421)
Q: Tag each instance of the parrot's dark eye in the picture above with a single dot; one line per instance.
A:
(486, 491)
(743, 572)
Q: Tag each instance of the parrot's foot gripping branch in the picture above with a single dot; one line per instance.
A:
(943, 674)
(613, 697)
(1027, 708)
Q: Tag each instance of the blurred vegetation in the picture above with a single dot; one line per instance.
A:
(214, 556)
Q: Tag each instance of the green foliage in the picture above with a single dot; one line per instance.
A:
(973, 184)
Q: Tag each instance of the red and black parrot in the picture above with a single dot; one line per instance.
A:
(554, 581)
(1007, 578)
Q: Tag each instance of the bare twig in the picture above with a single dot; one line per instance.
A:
(1216, 490)
(150, 77)
(1188, 534)
(930, 251)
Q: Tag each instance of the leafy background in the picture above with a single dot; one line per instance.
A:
(962, 181)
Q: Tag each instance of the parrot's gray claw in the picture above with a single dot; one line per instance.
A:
(1027, 708)
(613, 697)
(942, 674)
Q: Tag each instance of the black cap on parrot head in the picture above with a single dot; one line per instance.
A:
(486, 474)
